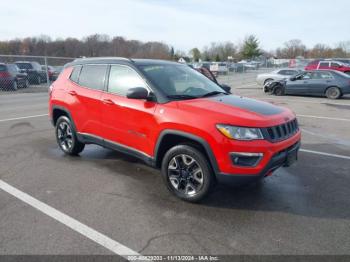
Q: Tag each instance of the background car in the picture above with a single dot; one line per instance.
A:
(36, 75)
(328, 65)
(11, 78)
(50, 70)
(279, 74)
(331, 83)
(56, 71)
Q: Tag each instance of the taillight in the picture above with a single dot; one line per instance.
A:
(50, 89)
(5, 74)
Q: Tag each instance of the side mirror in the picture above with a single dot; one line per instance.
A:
(138, 93)
(226, 88)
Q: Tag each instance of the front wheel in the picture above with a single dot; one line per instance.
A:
(278, 90)
(187, 173)
(333, 92)
(67, 138)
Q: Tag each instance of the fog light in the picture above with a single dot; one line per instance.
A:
(246, 159)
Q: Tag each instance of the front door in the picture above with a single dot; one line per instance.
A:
(128, 122)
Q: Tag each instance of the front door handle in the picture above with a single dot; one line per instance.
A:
(107, 101)
(72, 93)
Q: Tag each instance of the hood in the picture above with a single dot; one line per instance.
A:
(237, 110)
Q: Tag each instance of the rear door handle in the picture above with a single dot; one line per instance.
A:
(72, 93)
(107, 101)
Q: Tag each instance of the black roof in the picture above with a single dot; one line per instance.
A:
(117, 60)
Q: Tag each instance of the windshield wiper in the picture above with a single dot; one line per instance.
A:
(213, 93)
(181, 97)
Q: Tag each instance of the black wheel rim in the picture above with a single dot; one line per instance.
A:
(65, 136)
(185, 175)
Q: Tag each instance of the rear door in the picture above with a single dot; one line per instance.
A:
(324, 65)
(84, 97)
(128, 122)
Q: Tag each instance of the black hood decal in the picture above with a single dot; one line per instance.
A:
(248, 104)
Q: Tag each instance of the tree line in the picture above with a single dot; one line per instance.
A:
(104, 45)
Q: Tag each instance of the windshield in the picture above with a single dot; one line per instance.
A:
(179, 81)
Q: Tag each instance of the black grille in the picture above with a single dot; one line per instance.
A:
(281, 132)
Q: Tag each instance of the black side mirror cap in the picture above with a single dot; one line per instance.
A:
(226, 88)
(139, 93)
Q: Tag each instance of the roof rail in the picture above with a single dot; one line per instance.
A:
(105, 58)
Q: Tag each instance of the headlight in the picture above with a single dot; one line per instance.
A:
(240, 133)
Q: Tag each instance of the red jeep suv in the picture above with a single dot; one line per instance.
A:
(173, 118)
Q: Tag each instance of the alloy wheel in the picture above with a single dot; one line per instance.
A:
(185, 174)
(65, 136)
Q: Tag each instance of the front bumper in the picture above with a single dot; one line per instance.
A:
(281, 158)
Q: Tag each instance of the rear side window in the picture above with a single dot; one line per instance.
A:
(74, 76)
(122, 78)
(3, 68)
(93, 76)
(324, 64)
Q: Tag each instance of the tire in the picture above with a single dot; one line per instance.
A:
(333, 92)
(14, 85)
(66, 137)
(26, 83)
(278, 90)
(187, 173)
(38, 80)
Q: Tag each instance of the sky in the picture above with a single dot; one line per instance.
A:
(183, 24)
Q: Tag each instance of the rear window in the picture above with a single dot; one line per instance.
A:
(3, 68)
(24, 65)
(93, 76)
(75, 74)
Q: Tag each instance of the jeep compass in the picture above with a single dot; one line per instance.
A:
(173, 118)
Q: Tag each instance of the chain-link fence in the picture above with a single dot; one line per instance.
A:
(29, 73)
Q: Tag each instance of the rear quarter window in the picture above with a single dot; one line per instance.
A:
(93, 76)
(74, 76)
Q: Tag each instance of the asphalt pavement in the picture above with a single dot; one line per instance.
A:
(301, 210)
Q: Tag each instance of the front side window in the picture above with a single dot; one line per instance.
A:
(334, 64)
(93, 76)
(179, 81)
(122, 78)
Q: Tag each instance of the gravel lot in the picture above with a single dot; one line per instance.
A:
(303, 209)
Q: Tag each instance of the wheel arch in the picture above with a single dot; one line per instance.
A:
(58, 111)
(169, 138)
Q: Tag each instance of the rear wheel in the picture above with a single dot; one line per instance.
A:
(38, 80)
(14, 85)
(333, 92)
(66, 137)
(186, 173)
